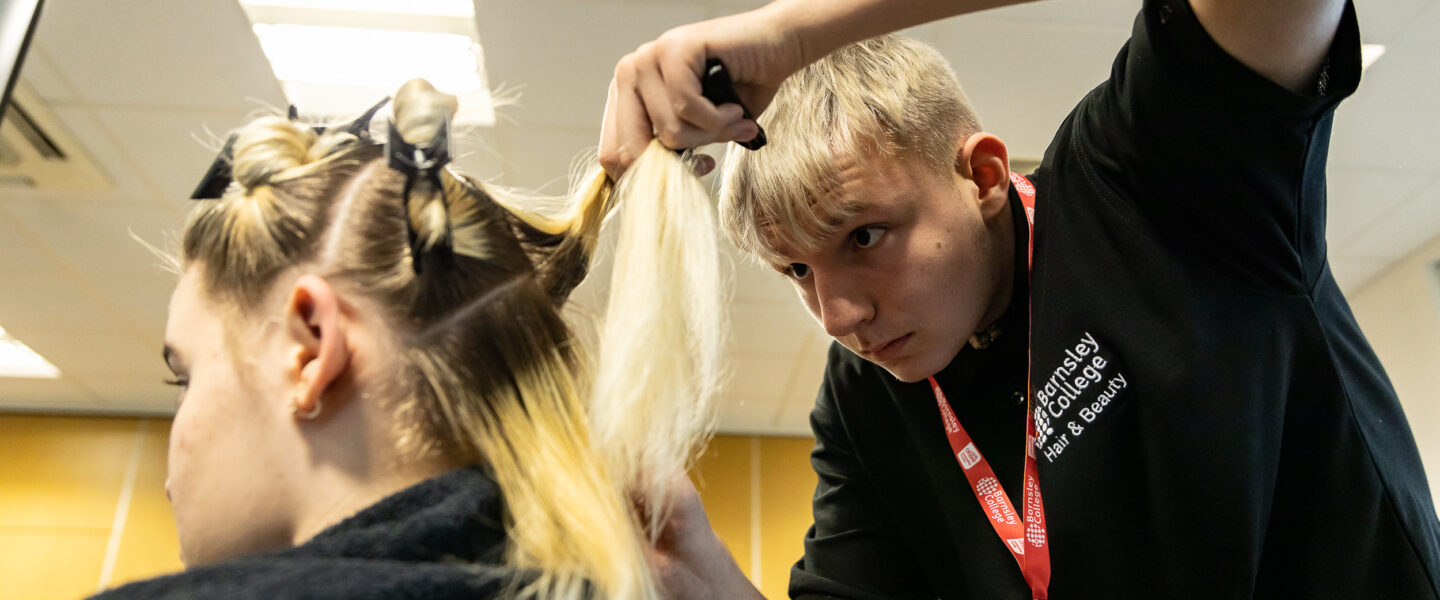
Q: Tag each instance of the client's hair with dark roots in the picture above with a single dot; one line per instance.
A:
(490, 371)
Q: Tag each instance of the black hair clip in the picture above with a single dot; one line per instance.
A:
(419, 163)
(219, 175)
(360, 127)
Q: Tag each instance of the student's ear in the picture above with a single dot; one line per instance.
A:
(983, 159)
(317, 352)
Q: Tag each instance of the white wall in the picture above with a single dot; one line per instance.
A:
(1399, 310)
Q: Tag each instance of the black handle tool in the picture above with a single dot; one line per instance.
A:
(717, 87)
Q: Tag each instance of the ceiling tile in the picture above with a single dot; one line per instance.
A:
(132, 394)
(1390, 121)
(40, 74)
(759, 283)
(1113, 14)
(172, 148)
(46, 395)
(1351, 274)
(482, 153)
(1385, 22)
(95, 141)
(794, 419)
(1024, 89)
(107, 151)
(809, 370)
(46, 300)
(560, 54)
(86, 354)
(1400, 230)
(142, 295)
(193, 54)
(541, 158)
(92, 236)
(768, 328)
(722, 8)
(1359, 196)
(17, 250)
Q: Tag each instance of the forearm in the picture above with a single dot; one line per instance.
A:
(822, 26)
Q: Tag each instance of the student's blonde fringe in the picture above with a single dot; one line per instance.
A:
(886, 95)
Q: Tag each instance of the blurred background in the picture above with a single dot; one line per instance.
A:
(120, 107)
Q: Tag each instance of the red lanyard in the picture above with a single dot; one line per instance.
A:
(1025, 539)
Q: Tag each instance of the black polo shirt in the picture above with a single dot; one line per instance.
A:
(1214, 424)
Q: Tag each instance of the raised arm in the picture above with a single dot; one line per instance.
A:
(1284, 40)
(656, 90)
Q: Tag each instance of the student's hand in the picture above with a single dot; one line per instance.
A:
(656, 89)
(688, 560)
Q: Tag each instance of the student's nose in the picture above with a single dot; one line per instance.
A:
(843, 304)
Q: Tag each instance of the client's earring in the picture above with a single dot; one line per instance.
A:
(310, 414)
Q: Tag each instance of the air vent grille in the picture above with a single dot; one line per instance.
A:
(36, 151)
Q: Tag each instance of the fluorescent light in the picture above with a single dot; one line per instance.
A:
(335, 58)
(348, 56)
(18, 360)
(437, 8)
(1369, 53)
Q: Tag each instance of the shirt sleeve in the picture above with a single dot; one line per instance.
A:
(854, 549)
(1211, 154)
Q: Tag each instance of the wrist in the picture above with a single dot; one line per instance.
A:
(809, 31)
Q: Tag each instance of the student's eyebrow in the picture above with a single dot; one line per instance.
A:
(849, 210)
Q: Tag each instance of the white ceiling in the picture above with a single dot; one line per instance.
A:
(138, 83)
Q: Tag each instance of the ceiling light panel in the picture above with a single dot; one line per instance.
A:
(336, 58)
(18, 360)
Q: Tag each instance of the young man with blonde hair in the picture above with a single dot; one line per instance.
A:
(1129, 374)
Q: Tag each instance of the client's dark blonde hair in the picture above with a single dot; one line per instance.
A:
(492, 373)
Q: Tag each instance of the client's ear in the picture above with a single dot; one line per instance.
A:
(984, 160)
(317, 352)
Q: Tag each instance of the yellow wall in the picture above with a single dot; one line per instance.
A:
(66, 521)
(68, 527)
(757, 494)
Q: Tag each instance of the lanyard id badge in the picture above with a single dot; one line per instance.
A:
(1024, 536)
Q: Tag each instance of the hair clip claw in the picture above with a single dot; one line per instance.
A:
(419, 163)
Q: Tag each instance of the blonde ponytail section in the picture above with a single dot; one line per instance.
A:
(421, 113)
(565, 516)
(561, 247)
(664, 330)
(250, 233)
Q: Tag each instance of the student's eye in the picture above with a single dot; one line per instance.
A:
(797, 271)
(867, 237)
(179, 382)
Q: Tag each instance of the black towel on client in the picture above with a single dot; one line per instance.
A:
(441, 538)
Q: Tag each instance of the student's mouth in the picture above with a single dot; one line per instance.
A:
(889, 349)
